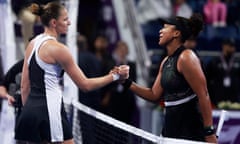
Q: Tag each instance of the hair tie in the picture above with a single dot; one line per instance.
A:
(41, 10)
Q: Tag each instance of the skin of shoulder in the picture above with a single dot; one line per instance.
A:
(49, 51)
(188, 59)
(60, 53)
(189, 65)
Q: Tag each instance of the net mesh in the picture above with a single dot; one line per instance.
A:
(92, 127)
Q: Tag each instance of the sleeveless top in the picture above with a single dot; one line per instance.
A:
(46, 88)
(44, 76)
(176, 88)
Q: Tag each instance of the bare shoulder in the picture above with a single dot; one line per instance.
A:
(58, 51)
(188, 55)
(187, 60)
(56, 47)
(55, 44)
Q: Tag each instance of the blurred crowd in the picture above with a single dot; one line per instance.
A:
(220, 16)
(218, 13)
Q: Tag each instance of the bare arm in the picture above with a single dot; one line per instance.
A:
(153, 93)
(189, 66)
(64, 58)
(25, 82)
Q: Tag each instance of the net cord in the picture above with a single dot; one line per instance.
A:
(131, 129)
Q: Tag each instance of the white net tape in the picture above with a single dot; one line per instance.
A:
(115, 132)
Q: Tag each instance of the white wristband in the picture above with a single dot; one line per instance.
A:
(115, 77)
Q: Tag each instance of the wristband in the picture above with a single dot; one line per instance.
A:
(115, 77)
(209, 131)
(127, 83)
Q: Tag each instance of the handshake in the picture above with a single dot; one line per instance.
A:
(120, 73)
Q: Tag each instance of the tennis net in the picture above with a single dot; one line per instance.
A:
(92, 127)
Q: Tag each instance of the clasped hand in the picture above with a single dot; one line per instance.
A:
(122, 71)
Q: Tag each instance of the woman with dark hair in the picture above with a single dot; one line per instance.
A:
(181, 83)
(43, 119)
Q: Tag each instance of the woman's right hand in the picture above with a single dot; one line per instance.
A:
(124, 72)
(11, 99)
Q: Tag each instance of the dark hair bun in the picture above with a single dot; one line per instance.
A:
(196, 24)
(36, 9)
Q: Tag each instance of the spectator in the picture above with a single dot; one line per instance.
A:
(118, 101)
(215, 13)
(181, 8)
(122, 101)
(233, 7)
(27, 19)
(106, 63)
(153, 9)
(223, 75)
(11, 86)
(197, 6)
(90, 65)
(10, 89)
(101, 52)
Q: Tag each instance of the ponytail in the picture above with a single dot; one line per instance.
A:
(36, 9)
